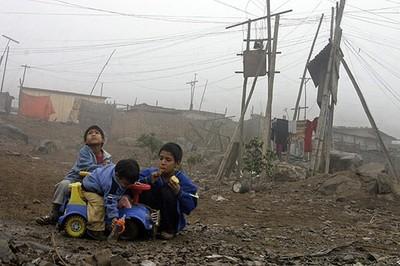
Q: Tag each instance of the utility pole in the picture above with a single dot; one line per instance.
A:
(5, 68)
(202, 96)
(101, 72)
(237, 138)
(271, 77)
(6, 50)
(306, 80)
(322, 135)
(192, 88)
(23, 76)
(101, 90)
(305, 69)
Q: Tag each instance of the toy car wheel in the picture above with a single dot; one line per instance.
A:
(132, 229)
(75, 226)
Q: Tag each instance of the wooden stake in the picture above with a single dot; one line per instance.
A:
(296, 108)
(392, 169)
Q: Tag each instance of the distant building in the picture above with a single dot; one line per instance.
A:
(358, 139)
(170, 124)
(191, 114)
(53, 105)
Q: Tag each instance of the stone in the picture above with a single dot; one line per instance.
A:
(13, 132)
(147, 263)
(6, 255)
(340, 185)
(341, 161)
(119, 261)
(47, 147)
(348, 258)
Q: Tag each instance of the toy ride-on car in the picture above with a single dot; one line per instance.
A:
(140, 220)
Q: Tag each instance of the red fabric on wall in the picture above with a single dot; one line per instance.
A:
(310, 127)
(36, 106)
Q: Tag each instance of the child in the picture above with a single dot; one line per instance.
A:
(173, 198)
(104, 187)
(91, 156)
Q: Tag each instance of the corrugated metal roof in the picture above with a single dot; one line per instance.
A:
(63, 92)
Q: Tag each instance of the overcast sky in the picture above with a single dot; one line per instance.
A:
(160, 44)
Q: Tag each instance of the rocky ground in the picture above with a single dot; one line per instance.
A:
(325, 220)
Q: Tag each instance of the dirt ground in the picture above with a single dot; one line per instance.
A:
(288, 223)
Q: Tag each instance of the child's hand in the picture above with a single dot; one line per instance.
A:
(174, 186)
(113, 222)
(155, 176)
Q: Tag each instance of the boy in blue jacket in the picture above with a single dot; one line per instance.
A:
(91, 156)
(172, 192)
(102, 189)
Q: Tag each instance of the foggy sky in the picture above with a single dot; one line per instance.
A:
(161, 44)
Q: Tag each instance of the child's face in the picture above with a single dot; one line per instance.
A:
(94, 137)
(167, 162)
(123, 182)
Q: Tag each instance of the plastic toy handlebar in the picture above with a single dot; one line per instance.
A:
(83, 173)
(137, 189)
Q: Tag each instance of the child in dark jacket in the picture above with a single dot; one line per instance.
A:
(172, 192)
(102, 189)
(91, 156)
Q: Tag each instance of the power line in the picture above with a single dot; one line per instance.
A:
(234, 7)
(376, 76)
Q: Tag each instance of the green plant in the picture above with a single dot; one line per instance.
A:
(151, 142)
(255, 162)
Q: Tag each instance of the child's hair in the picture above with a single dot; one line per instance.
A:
(96, 127)
(128, 169)
(174, 149)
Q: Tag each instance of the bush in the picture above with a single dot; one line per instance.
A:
(255, 162)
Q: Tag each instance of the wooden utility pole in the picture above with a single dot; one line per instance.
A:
(331, 108)
(6, 50)
(305, 97)
(271, 77)
(202, 96)
(295, 116)
(5, 68)
(101, 72)
(9, 39)
(244, 93)
(229, 155)
(23, 76)
(317, 161)
(192, 88)
(392, 168)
